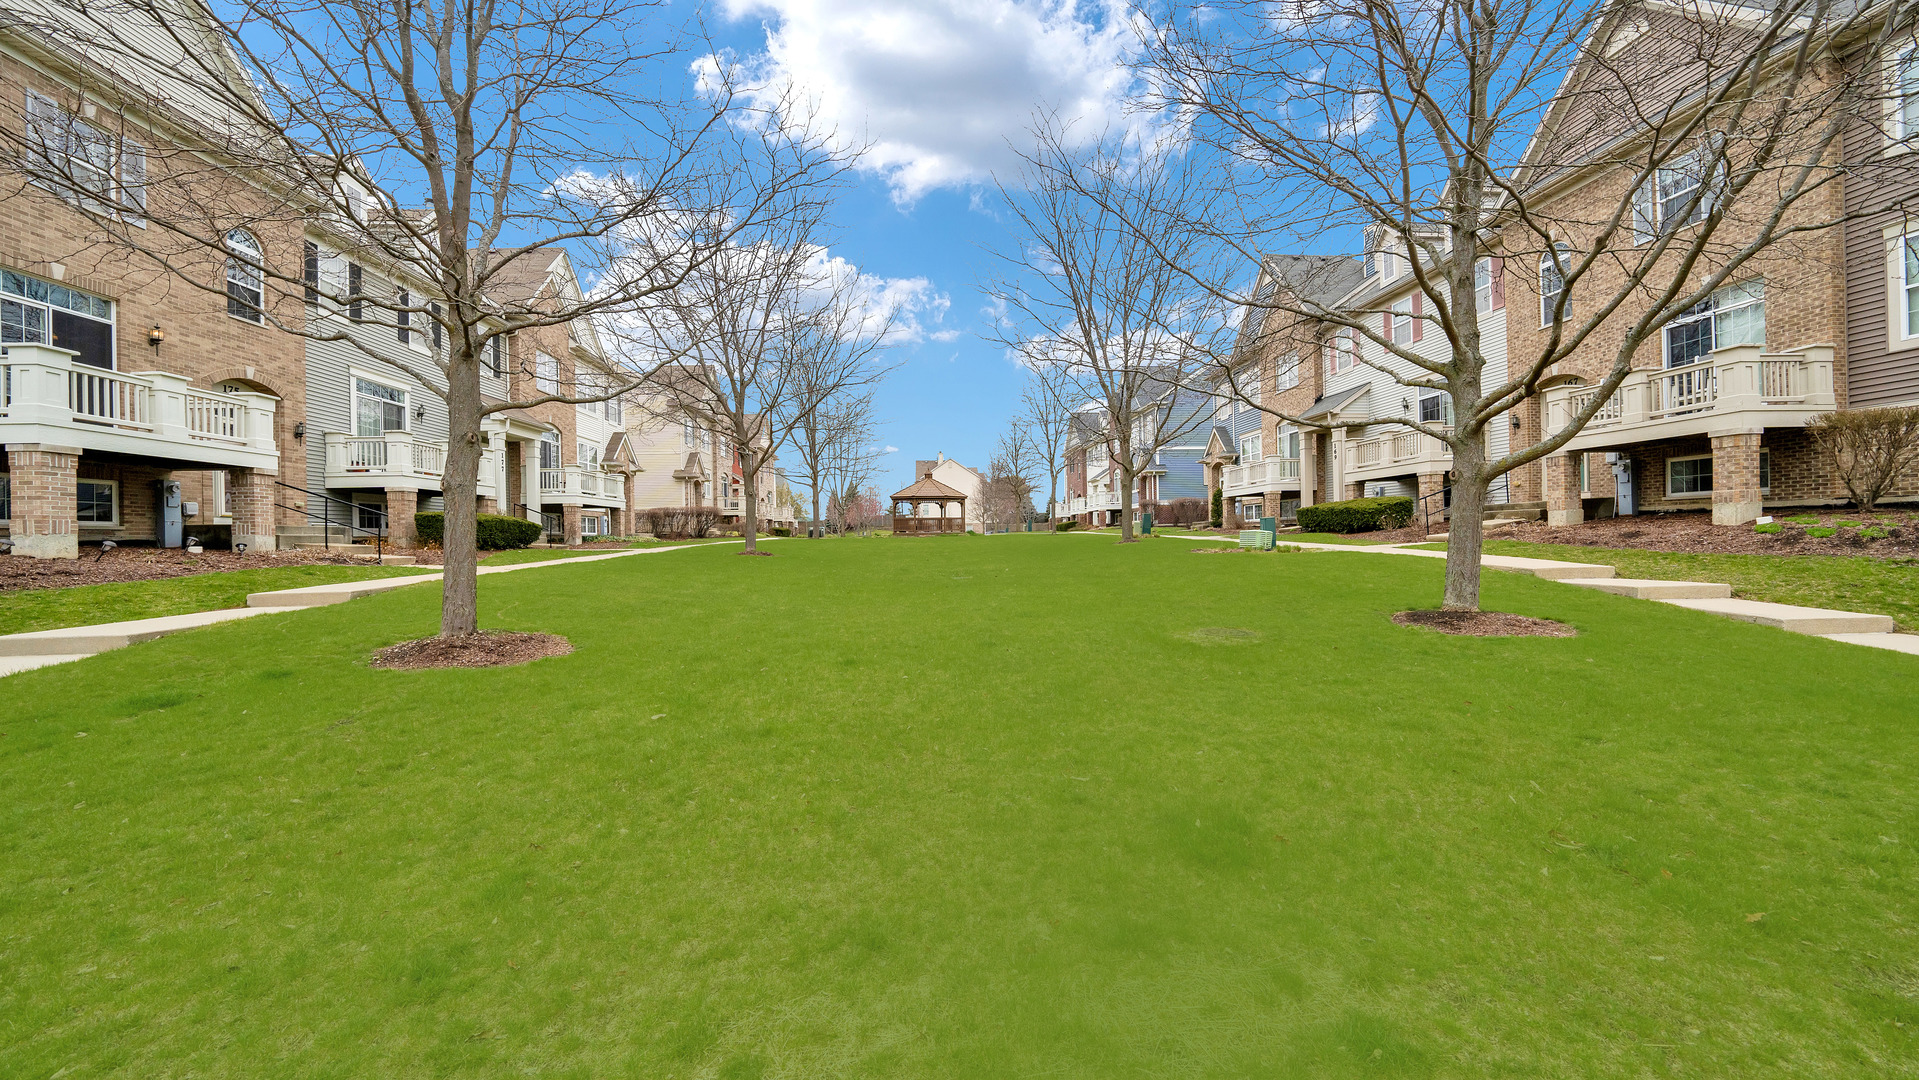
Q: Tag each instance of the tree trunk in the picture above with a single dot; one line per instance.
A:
(813, 528)
(460, 587)
(1126, 504)
(749, 504)
(1465, 527)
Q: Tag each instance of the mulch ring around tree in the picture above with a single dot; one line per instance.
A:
(1483, 624)
(488, 648)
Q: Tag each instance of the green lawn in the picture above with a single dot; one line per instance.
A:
(966, 807)
(1848, 583)
(22, 610)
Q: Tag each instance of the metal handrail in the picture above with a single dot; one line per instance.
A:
(1427, 512)
(326, 520)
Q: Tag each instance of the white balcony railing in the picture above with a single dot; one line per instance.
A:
(1266, 474)
(1770, 389)
(46, 397)
(1398, 451)
(586, 484)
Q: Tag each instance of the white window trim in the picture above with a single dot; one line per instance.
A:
(1676, 495)
(1897, 302)
(112, 320)
(127, 192)
(1898, 140)
(1546, 263)
(115, 486)
(353, 399)
(1402, 313)
(541, 382)
(1710, 317)
(238, 259)
(1286, 373)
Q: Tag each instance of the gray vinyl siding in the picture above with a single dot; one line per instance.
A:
(329, 374)
(1875, 374)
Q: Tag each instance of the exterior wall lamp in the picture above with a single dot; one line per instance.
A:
(155, 336)
(419, 412)
(299, 429)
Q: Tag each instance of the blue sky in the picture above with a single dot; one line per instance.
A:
(936, 89)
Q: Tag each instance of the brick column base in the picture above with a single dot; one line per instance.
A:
(570, 524)
(1356, 490)
(400, 508)
(250, 495)
(1735, 479)
(45, 521)
(1562, 491)
(488, 506)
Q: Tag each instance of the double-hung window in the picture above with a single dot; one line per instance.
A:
(84, 164)
(1552, 282)
(1734, 315)
(546, 373)
(1677, 194)
(496, 354)
(1909, 285)
(1435, 407)
(377, 408)
(1905, 97)
(550, 450)
(1403, 322)
(1340, 352)
(245, 281)
(1689, 477)
(1249, 448)
(690, 431)
(97, 503)
(36, 312)
(1287, 374)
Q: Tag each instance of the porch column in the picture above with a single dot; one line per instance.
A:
(1309, 470)
(1735, 479)
(46, 506)
(400, 508)
(530, 480)
(250, 497)
(630, 490)
(488, 506)
(570, 524)
(511, 473)
(1562, 491)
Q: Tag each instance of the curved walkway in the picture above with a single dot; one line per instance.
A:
(24, 652)
(1852, 627)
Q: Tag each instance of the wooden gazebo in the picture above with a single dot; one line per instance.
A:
(927, 491)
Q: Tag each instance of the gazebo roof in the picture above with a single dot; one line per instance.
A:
(928, 488)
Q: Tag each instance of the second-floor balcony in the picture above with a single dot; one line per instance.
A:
(400, 460)
(48, 398)
(586, 485)
(1395, 453)
(1737, 389)
(1087, 504)
(1266, 474)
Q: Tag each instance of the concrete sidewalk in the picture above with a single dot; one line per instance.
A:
(40, 648)
(1851, 627)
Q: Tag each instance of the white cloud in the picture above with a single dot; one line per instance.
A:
(936, 89)
(913, 304)
(891, 450)
(943, 335)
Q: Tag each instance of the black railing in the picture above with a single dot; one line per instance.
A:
(326, 519)
(1437, 505)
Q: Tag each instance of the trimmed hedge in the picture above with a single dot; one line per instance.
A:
(1065, 526)
(492, 532)
(1358, 515)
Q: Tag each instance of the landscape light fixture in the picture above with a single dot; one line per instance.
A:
(239, 549)
(155, 336)
(105, 546)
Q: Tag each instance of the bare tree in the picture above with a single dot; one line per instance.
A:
(1104, 291)
(452, 148)
(1009, 485)
(1045, 413)
(1639, 156)
(833, 435)
(754, 341)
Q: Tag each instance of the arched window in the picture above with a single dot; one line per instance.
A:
(244, 276)
(1552, 282)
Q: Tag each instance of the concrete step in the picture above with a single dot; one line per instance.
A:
(1905, 643)
(1648, 589)
(337, 593)
(1512, 514)
(1550, 569)
(1539, 505)
(291, 535)
(1799, 620)
(87, 640)
(367, 550)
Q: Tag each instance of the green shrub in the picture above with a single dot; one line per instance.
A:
(780, 530)
(1219, 506)
(1844, 524)
(1804, 519)
(1820, 532)
(1769, 527)
(1065, 526)
(1357, 515)
(492, 532)
(1874, 532)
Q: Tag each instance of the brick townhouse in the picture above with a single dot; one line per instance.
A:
(139, 403)
(1713, 415)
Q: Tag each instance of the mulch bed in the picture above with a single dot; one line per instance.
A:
(148, 564)
(1484, 624)
(488, 648)
(1695, 533)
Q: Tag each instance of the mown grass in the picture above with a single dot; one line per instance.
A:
(1847, 583)
(967, 807)
(23, 610)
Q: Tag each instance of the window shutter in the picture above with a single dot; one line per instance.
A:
(402, 318)
(355, 278)
(1645, 210)
(133, 181)
(1499, 284)
(1419, 324)
(1386, 325)
(439, 337)
(310, 269)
